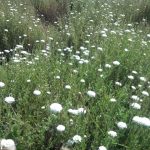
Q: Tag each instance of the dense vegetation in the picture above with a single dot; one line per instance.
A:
(75, 74)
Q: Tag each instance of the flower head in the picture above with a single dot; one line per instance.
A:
(135, 97)
(136, 106)
(112, 133)
(77, 111)
(77, 139)
(60, 128)
(122, 125)
(102, 148)
(116, 63)
(2, 84)
(56, 108)
(7, 144)
(68, 87)
(37, 92)
(9, 99)
(91, 93)
(113, 100)
(141, 121)
(145, 93)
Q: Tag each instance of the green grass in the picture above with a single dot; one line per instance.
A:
(79, 47)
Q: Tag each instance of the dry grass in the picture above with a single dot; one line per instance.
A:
(51, 10)
(143, 14)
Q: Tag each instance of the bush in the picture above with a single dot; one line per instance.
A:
(51, 10)
(144, 13)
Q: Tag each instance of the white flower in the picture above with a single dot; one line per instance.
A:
(77, 139)
(8, 144)
(139, 85)
(104, 35)
(118, 83)
(100, 48)
(75, 71)
(135, 97)
(117, 63)
(82, 81)
(113, 100)
(2, 84)
(57, 77)
(143, 79)
(56, 108)
(126, 50)
(91, 93)
(77, 111)
(134, 72)
(9, 99)
(136, 106)
(141, 121)
(68, 87)
(43, 107)
(73, 111)
(36, 92)
(71, 121)
(107, 65)
(122, 125)
(48, 92)
(133, 87)
(60, 128)
(145, 93)
(100, 70)
(130, 77)
(102, 148)
(6, 30)
(28, 80)
(148, 35)
(81, 111)
(112, 133)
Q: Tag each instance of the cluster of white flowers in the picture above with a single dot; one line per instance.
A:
(122, 125)
(116, 63)
(37, 92)
(91, 93)
(135, 97)
(143, 79)
(107, 65)
(67, 87)
(112, 133)
(77, 111)
(145, 93)
(2, 84)
(7, 144)
(9, 99)
(113, 100)
(60, 128)
(136, 106)
(56, 107)
(77, 138)
(130, 77)
(102, 148)
(141, 121)
(118, 83)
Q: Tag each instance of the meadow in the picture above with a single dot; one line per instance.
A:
(74, 75)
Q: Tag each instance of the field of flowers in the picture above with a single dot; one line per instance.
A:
(74, 75)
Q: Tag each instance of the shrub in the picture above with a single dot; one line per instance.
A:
(51, 10)
(144, 13)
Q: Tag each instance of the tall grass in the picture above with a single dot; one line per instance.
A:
(51, 10)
